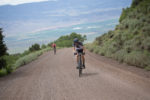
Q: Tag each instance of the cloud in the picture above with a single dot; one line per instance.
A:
(91, 27)
(75, 12)
(77, 28)
(17, 2)
(89, 33)
(101, 10)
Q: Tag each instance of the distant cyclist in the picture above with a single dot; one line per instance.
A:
(54, 47)
(79, 48)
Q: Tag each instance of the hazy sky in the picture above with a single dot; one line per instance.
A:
(21, 18)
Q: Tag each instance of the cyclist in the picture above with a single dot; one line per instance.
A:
(79, 48)
(54, 47)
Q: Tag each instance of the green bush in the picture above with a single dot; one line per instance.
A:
(147, 68)
(25, 53)
(34, 47)
(146, 31)
(136, 2)
(43, 46)
(137, 58)
(96, 49)
(3, 72)
(146, 43)
(28, 58)
(9, 69)
(120, 55)
(67, 40)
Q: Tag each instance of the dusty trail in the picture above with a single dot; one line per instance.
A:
(55, 78)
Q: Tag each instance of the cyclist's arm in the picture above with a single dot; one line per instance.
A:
(84, 49)
(73, 48)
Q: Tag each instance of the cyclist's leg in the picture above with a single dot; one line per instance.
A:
(55, 50)
(77, 58)
(83, 59)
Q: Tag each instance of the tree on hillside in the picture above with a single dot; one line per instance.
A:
(79, 36)
(67, 40)
(34, 47)
(3, 50)
(136, 2)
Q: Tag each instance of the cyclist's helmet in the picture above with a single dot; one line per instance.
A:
(76, 40)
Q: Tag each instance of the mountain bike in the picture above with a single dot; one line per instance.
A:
(54, 50)
(80, 63)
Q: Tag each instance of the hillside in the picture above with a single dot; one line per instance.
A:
(129, 42)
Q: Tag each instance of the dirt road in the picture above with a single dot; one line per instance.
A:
(56, 78)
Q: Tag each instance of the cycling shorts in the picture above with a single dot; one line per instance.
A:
(79, 50)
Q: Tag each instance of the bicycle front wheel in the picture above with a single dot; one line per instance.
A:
(80, 72)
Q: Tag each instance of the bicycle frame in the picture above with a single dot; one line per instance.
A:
(80, 63)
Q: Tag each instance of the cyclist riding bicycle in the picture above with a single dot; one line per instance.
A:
(79, 48)
(54, 47)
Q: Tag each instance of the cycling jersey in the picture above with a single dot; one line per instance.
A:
(54, 45)
(78, 46)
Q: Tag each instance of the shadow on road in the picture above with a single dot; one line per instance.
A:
(89, 74)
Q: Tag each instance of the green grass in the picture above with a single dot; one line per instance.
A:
(29, 58)
(26, 59)
(15, 61)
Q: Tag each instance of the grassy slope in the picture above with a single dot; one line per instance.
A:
(129, 42)
(15, 61)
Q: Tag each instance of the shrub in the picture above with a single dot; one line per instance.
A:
(146, 31)
(9, 69)
(96, 49)
(28, 58)
(147, 68)
(137, 58)
(119, 55)
(124, 14)
(3, 72)
(146, 43)
(25, 53)
(43, 46)
(90, 47)
(34, 47)
(136, 2)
